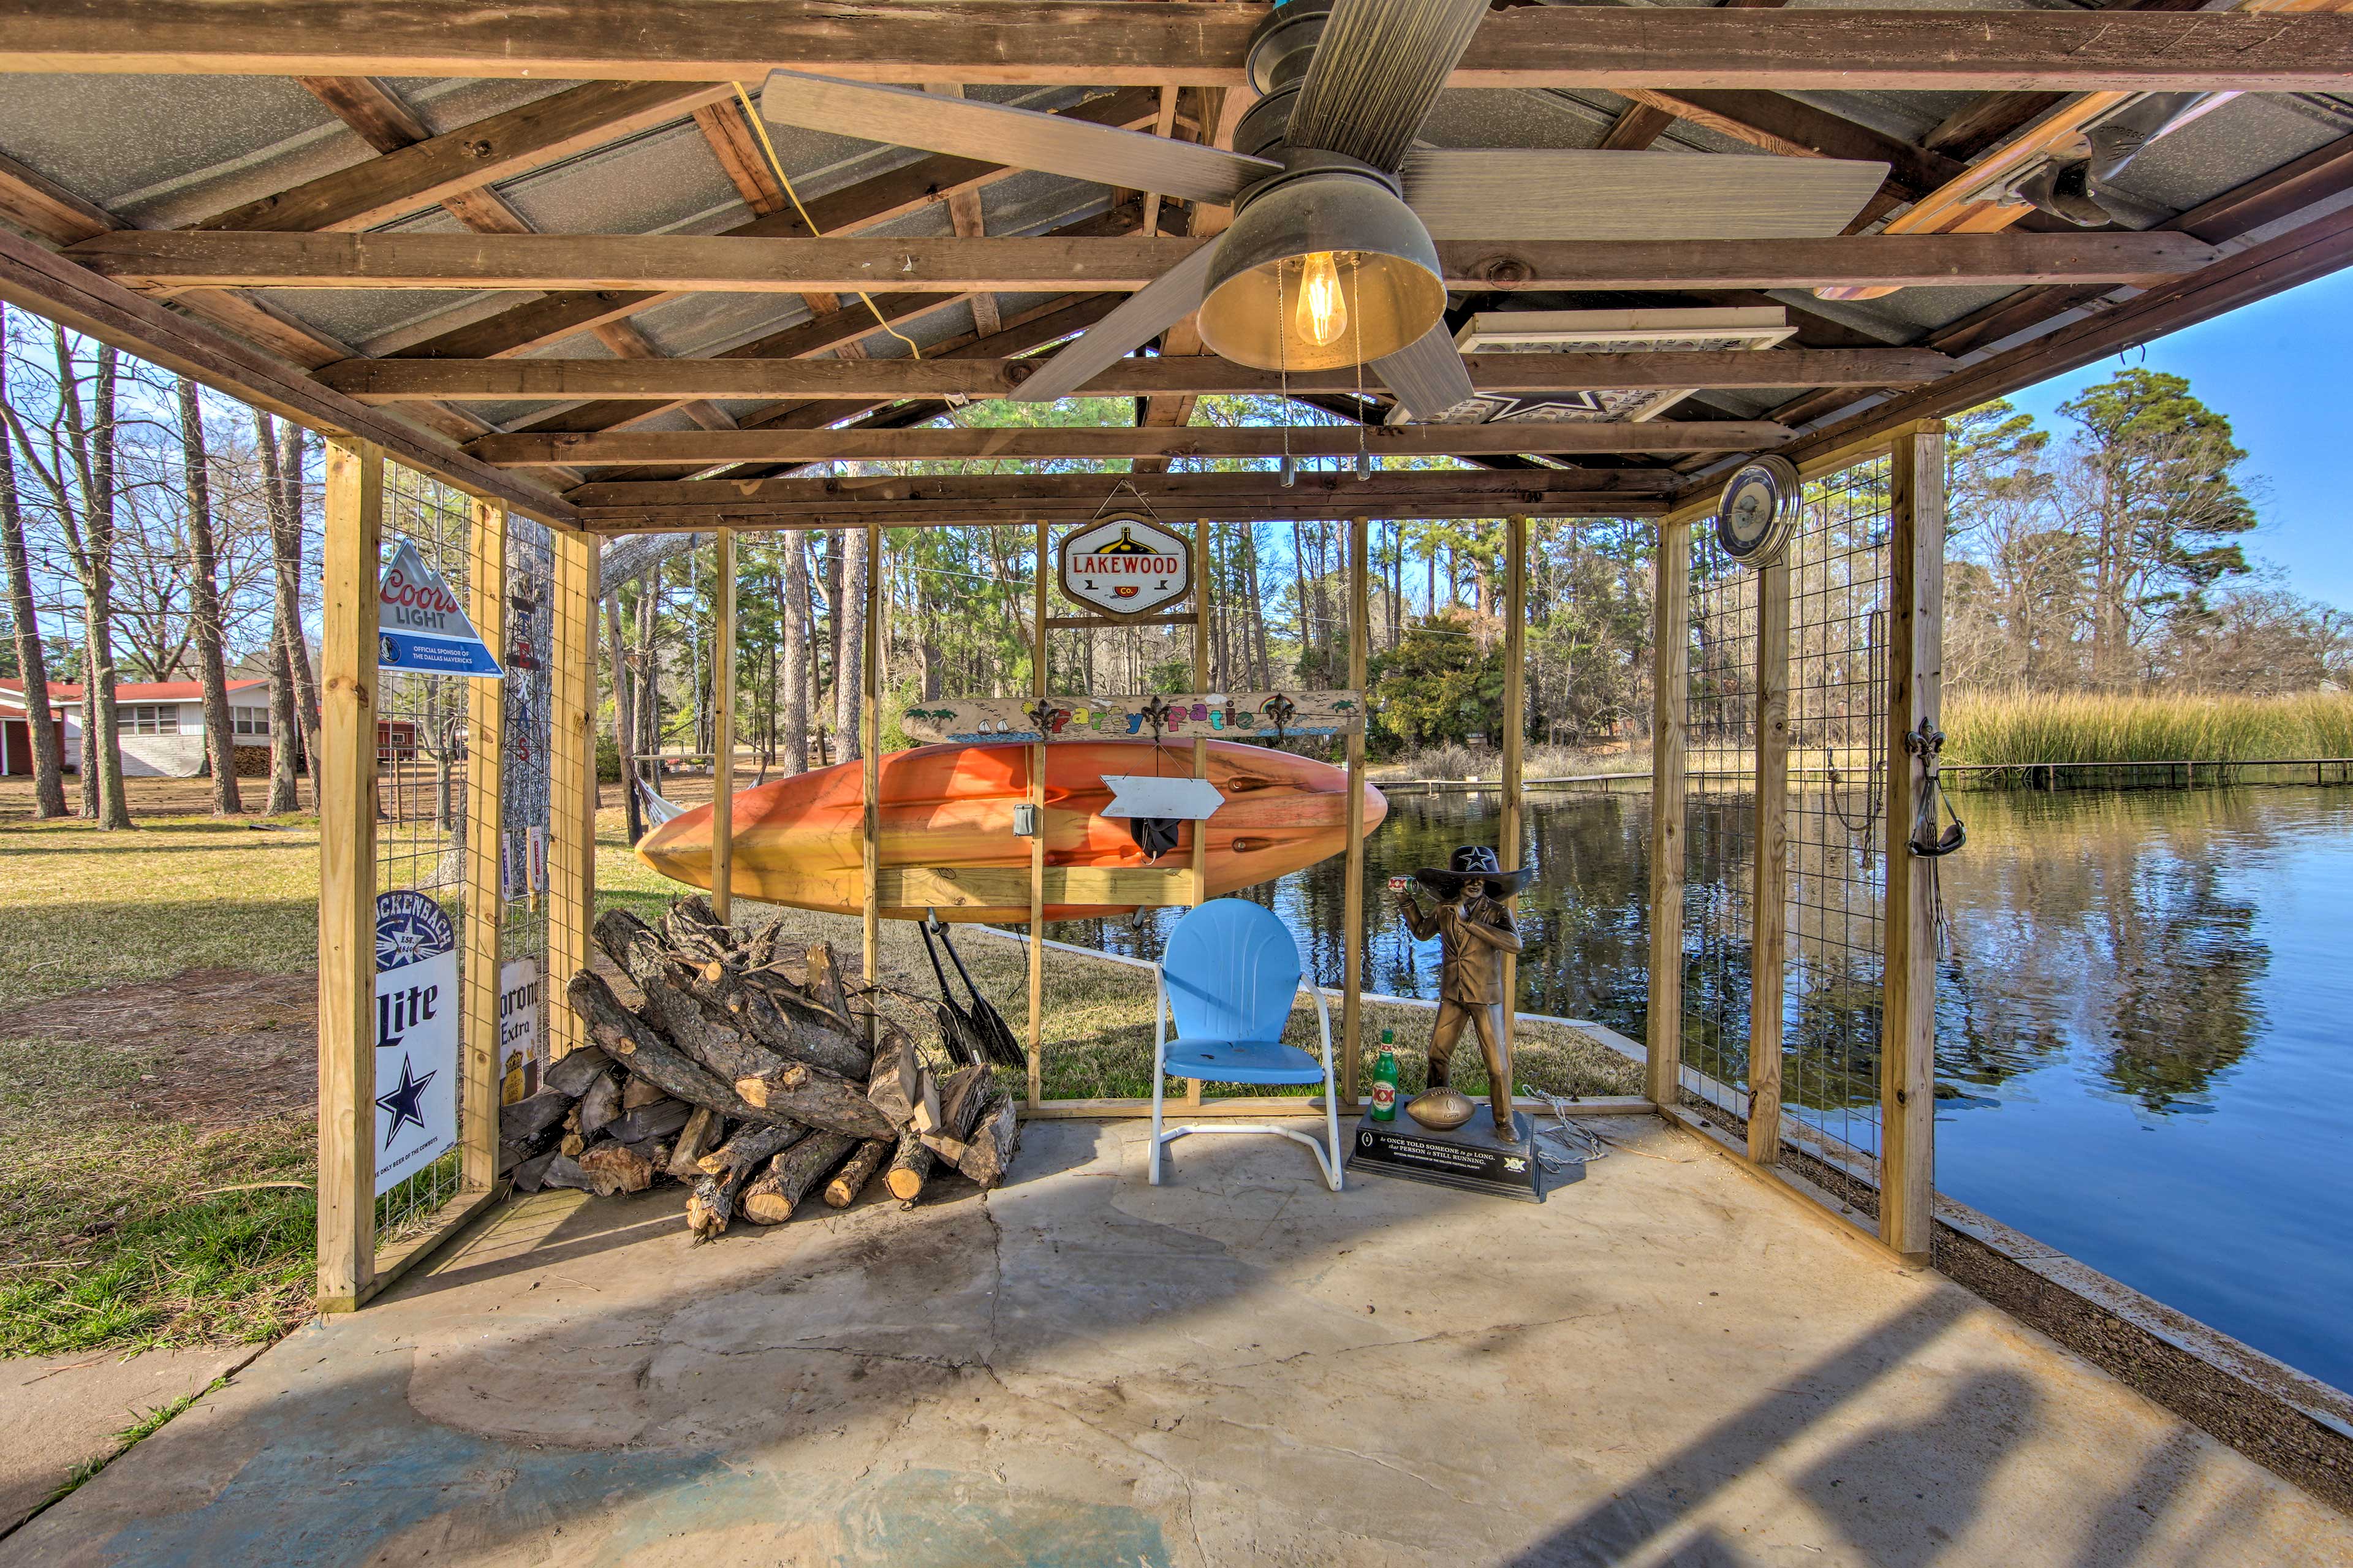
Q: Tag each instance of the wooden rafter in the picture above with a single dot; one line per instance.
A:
(1044, 41)
(690, 264)
(669, 380)
(613, 450)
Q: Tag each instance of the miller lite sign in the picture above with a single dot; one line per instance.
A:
(420, 624)
(415, 1036)
(1126, 565)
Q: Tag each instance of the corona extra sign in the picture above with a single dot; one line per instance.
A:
(1126, 565)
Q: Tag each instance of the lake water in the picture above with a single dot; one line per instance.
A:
(2144, 1037)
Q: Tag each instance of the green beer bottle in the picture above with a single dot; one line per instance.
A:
(1385, 1079)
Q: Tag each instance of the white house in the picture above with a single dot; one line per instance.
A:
(162, 724)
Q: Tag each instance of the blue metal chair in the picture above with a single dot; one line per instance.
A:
(1227, 982)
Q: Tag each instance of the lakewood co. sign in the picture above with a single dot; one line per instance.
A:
(1126, 565)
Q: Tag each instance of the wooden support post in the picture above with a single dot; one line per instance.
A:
(1352, 927)
(1039, 642)
(1200, 743)
(870, 740)
(1670, 677)
(477, 1075)
(571, 781)
(723, 731)
(1515, 723)
(347, 766)
(1907, 1062)
(1769, 904)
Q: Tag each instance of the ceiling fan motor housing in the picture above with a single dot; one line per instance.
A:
(1328, 203)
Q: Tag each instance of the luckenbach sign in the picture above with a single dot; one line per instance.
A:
(421, 627)
(1124, 564)
(415, 1036)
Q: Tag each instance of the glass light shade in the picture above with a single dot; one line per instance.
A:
(1390, 289)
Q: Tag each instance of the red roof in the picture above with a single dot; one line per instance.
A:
(131, 691)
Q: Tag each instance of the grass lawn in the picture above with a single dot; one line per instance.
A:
(134, 1090)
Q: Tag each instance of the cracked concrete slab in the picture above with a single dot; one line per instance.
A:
(1664, 1364)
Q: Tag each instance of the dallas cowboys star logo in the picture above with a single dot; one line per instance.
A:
(405, 1103)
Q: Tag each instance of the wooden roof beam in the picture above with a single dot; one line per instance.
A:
(1105, 444)
(1071, 41)
(691, 263)
(676, 380)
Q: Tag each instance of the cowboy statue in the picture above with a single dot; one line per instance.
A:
(1474, 930)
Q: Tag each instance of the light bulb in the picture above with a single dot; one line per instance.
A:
(1322, 313)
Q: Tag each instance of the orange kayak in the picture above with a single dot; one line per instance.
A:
(951, 807)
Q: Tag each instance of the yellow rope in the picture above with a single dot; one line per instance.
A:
(760, 129)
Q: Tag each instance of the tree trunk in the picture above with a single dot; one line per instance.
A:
(92, 546)
(624, 719)
(794, 701)
(203, 592)
(287, 731)
(32, 663)
(1263, 669)
(849, 640)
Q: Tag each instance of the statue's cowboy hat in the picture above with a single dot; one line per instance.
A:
(1474, 863)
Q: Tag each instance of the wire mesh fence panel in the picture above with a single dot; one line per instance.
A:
(1719, 825)
(420, 849)
(1837, 835)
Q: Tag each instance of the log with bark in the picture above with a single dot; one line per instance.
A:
(852, 1179)
(702, 1133)
(770, 1200)
(960, 1101)
(649, 1054)
(704, 1033)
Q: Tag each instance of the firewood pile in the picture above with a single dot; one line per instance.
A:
(746, 1074)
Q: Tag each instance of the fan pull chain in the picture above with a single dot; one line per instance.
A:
(1357, 325)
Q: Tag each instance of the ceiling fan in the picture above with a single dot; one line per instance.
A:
(1330, 259)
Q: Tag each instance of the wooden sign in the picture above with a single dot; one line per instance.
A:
(1147, 794)
(1126, 565)
(1257, 716)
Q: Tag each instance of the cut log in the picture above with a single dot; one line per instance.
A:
(659, 1120)
(911, 1165)
(613, 1169)
(759, 948)
(601, 1103)
(694, 930)
(772, 1198)
(712, 1204)
(576, 1072)
(563, 1171)
(532, 1175)
(990, 1150)
(706, 1034)
(637, 1091)
(694, 1140)
(825, 981)
(776, 1017)
(900, 1081)
(654, 1151)
(751, 1146)
(650, 1057)
(825, 1100)
(572, 1145)
(852, 1179)
(526, 1119)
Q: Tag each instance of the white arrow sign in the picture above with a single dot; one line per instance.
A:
(1184, 800)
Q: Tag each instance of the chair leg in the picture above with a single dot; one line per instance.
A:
(1331, 1125)
(1159, 1092)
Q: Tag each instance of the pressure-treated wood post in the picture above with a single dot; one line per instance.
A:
(870, 737)
(1038, 813)
(1200, 742)
(570, 782)
(1515, 721)
(1670, 676)
(1769, 926)
(347, 766)
(1907, 1065)
(723, 731)
(477, 1075)
(1352, 925)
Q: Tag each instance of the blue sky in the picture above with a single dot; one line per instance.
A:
(2277, 370)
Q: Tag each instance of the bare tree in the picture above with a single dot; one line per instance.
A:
(293, 700)
(32, 665)
(220, 736)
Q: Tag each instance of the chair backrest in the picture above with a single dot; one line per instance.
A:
(1232, 969)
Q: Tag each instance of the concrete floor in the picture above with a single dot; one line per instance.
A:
(1664, 1364)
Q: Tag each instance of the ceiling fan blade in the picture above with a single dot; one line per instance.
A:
(969, 127)
(1378, 70)
(1634, 195)
(1428, 374)
(1143, 316)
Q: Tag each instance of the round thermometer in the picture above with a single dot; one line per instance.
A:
(1759, 511)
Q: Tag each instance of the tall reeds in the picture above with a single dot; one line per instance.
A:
(2019, 726)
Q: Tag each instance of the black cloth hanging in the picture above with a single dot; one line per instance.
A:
(1155, 836)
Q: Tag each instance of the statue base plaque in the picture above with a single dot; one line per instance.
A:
(1470, 1157)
